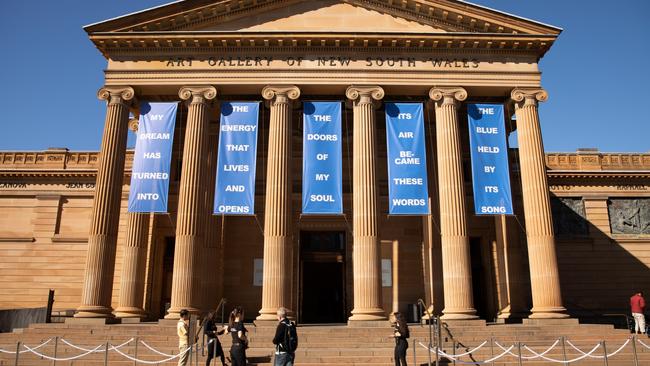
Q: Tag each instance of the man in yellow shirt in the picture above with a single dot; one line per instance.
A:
(182, 329)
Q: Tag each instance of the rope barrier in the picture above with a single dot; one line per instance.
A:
(155, 350)
(152, 362)
(88, 349)
(454, 359)
(643, 344)
(37, 347)
(600, 357)
(66, 358)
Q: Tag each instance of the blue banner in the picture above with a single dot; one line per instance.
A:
(322, 185)
(152, 157)
(235, 184)
(490, 171)
(408, 192)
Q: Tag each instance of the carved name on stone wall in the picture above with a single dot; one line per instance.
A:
(629, 216)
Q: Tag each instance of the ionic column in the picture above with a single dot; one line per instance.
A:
(544, 275)
(456, 264)
(102, 237)
(190, 222)
(278, 239)
(133, 267)
(366, 251)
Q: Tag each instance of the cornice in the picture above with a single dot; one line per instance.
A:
(446, 14)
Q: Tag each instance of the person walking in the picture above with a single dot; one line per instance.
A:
(637, 305)
(401, 334)
(212, 331)
(239, 340)
(182, 330)
(285, 340)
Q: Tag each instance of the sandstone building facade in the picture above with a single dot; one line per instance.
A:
(580, 230)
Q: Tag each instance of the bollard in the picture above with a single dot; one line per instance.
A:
(135, 351)
(17, 353)
(196, 359)
(605, 353)
(56, 346)
(519, 353)
(106, 355)
(492, 350)
(564, 349)
(636, 357)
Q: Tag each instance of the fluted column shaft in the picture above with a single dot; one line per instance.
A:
(366, 252)
(278, 238)
(190, 222)
(456, 264)
(211, 254)
(102, 238)
(133, 266)
(544, 274)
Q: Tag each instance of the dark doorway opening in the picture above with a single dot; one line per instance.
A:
(480, 279)
(167, 275)
(322, 277)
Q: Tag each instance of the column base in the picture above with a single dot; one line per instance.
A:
(130, 313)
(558, 312)
(272, 315)
(459, 314)
(176, 313)
(86, 311)
(367, 314)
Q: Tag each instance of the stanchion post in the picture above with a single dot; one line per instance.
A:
(438, 330)
(17, 353)
(519, 353)
(634, 354)
(106, 354)
(564, 349)
(415, 360)
(453, 352)
(605, 353)
(492, 350)
(56, 347)
(135, 351)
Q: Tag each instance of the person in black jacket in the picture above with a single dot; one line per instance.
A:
(239, 340)
(401, 334)
(285, 340)
(210, 329)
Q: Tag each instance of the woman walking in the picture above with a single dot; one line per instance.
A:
(239, 339)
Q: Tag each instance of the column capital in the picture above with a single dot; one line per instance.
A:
(448, 95)
(116, 94)
(280, 93)
(197, 93)
(364, 93)
(529, 96)
(134, 124)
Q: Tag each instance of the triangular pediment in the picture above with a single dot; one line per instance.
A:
(333, 16)
(323, 16)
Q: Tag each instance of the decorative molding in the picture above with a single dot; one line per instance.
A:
(448, 94)
(58, 238)
(528, 96)
(21, 238)
(280, 93)
(134, 124)
(116, 94)
(354, 92)
(198, 94)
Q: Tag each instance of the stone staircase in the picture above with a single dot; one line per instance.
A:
(330, 344)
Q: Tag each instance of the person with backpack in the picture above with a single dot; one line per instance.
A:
(401, 334)
(285, 340)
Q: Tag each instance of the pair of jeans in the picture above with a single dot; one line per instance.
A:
(284, 359)
(400, 351)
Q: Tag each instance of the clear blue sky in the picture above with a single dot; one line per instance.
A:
(597, 74)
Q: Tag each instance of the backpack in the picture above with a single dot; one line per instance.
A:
(290, 342)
